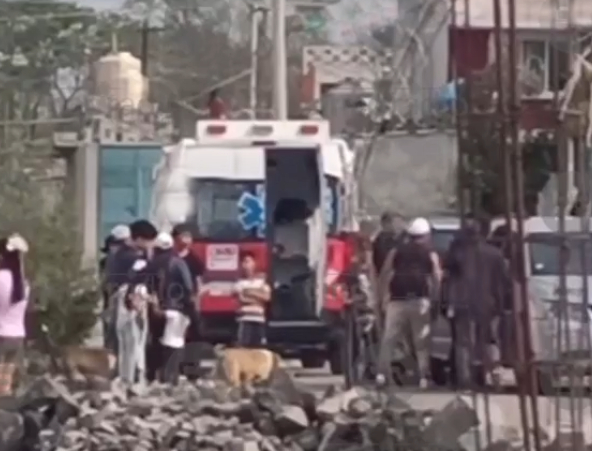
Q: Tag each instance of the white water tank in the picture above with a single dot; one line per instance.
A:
(119, 80)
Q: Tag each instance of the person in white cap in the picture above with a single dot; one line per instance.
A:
(164, 241)
(410, 275)
(119, 237)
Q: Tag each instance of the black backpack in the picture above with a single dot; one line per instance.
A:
(382, 245)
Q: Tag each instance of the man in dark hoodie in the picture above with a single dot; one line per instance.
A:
(476, 287)
(173, 288)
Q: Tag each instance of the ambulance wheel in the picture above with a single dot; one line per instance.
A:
(312, 360)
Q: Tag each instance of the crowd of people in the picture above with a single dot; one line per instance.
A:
(469, 287)
(151, 283)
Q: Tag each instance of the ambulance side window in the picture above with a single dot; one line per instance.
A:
(216, 209)
(332, 204)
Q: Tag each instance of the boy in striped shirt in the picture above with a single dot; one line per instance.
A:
(253, 293)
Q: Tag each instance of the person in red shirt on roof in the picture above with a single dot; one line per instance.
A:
(216, 106)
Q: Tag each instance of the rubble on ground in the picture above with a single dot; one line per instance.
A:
(209, 416)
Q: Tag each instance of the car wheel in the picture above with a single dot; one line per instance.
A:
(546, 380)
(312, 360)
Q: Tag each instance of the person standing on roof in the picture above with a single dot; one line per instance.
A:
(411, 275)
(216, 106)
(477, 287)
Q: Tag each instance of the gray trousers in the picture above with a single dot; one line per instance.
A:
(406, 330)
(132, 334)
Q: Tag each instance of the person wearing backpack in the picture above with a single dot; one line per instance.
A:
(410, 275)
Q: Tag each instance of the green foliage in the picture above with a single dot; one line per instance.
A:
(45, 48)
(64, 295)
(199, 44)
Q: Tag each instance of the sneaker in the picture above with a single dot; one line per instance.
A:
(424, 383)
(380, 380)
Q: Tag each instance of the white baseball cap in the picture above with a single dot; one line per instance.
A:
(121, 232)
(164, 240)
(419, 227)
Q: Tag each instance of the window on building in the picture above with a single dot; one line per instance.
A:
(547, 60)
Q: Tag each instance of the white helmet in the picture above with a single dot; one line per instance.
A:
(164, 241)
(419, 227)
(121, 232)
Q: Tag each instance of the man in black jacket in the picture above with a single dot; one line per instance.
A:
(173, 286)
(476, 288)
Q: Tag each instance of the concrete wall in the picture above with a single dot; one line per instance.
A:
(85, 174)
(410, 174)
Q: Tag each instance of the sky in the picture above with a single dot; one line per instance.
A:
(346, 18)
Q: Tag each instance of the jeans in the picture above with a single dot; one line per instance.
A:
(109, 320)
(251, 334)
(407, 329)
(171, 364)
(132, 333)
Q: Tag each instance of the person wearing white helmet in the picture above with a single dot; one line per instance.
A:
(410, 275)
(164, 241)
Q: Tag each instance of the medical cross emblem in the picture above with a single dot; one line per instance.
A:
(252, 211)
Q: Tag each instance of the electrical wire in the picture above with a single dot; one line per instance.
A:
(413, 37)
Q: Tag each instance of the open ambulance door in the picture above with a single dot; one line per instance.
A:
(295, 232)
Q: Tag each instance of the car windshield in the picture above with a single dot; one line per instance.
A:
(233, 210)
(544, 249)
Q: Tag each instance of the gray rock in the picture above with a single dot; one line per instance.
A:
(329, 407)
(291, 420)
(240, 445)
(12, 430)
(449, 424)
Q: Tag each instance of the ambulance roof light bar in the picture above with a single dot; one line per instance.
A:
(242, 132)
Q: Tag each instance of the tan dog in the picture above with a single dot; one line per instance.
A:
(80, 361)
(89, 362)
(242, 366)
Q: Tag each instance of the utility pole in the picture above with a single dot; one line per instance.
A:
(280, 72)
(256, 13)
(145, 44)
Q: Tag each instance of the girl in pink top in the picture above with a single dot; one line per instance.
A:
(13, 306)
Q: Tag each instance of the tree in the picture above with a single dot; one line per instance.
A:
(198, 46)
(482, 138)
(45, 50)
(64, 295)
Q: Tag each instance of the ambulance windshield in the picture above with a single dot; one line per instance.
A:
(233, 210)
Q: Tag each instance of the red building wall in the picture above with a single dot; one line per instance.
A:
(469, 51)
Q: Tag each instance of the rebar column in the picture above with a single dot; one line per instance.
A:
(518, 178)
(502, 118)
(459, 119)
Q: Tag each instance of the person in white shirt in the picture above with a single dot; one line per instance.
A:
(253, 293)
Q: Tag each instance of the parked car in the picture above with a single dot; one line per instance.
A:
(444, 229)
(560, 330)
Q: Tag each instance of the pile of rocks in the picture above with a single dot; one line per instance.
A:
(209, 416)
